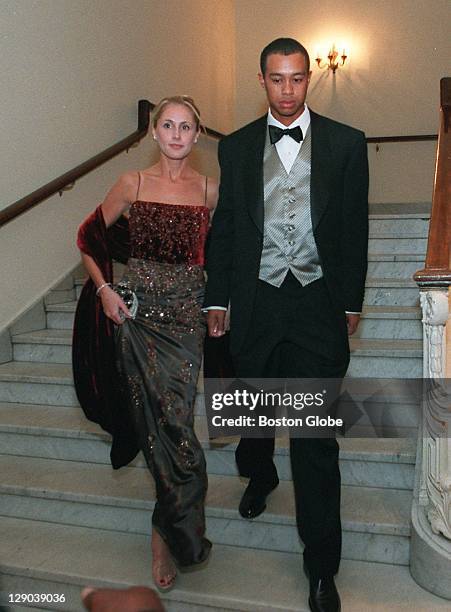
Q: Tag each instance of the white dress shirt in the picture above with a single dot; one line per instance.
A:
(287, 148)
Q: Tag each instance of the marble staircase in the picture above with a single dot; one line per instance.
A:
(69, 520)
(388, 342)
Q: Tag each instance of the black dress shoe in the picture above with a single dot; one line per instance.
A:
(324, 595)
(253, 502)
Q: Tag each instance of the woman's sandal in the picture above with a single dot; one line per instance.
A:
(164, 571)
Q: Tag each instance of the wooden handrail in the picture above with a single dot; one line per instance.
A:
(415, 138)
(67, 179)
(437, 269)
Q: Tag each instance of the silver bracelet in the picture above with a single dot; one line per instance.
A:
(99, 289)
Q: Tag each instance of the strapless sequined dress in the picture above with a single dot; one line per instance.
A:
(159, 357)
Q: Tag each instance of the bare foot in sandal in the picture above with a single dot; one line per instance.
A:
(164, 571)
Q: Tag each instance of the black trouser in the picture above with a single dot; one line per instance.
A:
(296, 333)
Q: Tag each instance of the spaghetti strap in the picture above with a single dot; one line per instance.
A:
(206, 185)
(139, 185)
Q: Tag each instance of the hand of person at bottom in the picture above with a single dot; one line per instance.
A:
(134, 599)
(215, 322)
(113, 306)
(352, 321)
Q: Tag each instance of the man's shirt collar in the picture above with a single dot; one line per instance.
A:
(303, 121)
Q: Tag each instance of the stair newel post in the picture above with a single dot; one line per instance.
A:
(436, 422)
(430, 560)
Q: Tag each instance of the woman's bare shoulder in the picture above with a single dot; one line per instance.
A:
(121, 195)
(128, 180)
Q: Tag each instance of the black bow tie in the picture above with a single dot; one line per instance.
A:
(276, 133)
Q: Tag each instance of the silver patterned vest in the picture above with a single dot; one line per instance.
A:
(288, 242)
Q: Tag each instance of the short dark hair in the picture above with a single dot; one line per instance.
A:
(283, 46)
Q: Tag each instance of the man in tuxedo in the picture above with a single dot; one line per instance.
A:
(288, 249)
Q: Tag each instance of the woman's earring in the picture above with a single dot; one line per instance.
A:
(154, 137)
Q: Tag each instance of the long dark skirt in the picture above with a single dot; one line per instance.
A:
(159, 356)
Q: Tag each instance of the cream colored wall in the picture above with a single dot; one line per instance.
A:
(398, 51)
(72, 72)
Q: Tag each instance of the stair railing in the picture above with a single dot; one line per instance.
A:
(431, 512)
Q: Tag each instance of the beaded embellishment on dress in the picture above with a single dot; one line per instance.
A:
(168, 233)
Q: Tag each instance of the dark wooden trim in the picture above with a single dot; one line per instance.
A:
(445, 99)
(213, 133)
(370, 139)
(416, 138)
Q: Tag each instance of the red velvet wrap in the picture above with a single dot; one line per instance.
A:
(93, 350)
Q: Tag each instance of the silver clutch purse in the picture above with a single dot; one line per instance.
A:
(129, 298)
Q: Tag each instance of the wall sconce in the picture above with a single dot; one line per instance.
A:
(332, 63)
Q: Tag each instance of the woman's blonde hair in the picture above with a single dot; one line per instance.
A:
(182, 100)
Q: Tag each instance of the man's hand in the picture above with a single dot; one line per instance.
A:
(215, 322)
(352, 321)
(134, 599)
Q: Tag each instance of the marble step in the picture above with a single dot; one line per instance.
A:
(401, 265)
(376, 522)
(398, 227)
(61, 316)
(44, 345)
(374, 358)
(41, 383)
(390, 322)
(57, 296)
(397, 244)
(64, 433)
(37, 383)
(54, 346)
(35, 559)
(399, 210)
(391, 292)
(52, 384)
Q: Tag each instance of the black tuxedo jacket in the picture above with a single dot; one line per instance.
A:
(339, 211)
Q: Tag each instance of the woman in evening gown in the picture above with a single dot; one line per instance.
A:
(158, 353)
